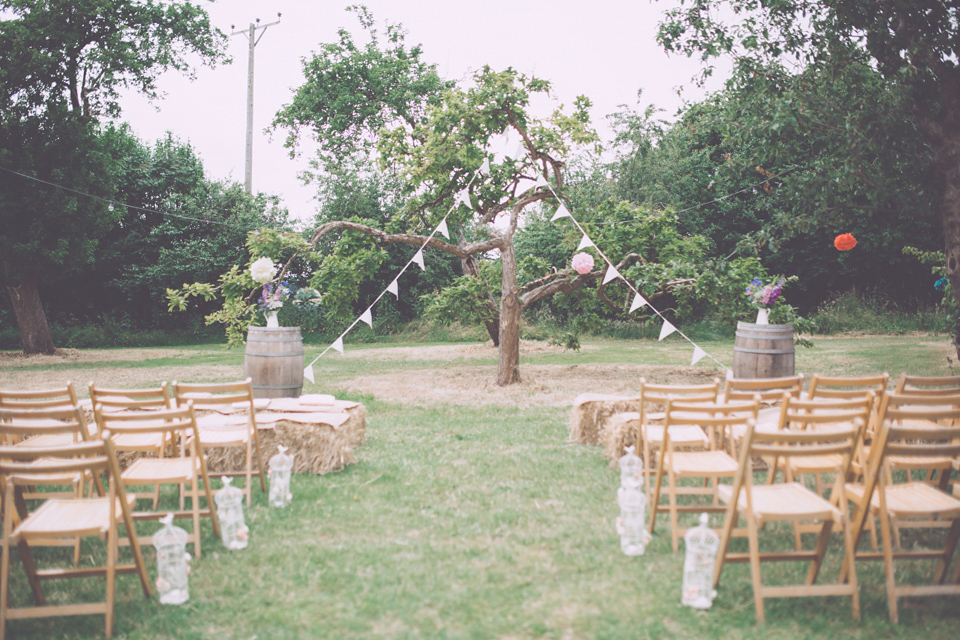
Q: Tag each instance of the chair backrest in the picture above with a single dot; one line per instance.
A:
(799, 413)
(770, 390)
(927, 385)
(180, 421)
(16, 424)
(132, 399)
(215, 395)
(716, 418)
(847, 386)
(920, 410)
(56, 398)
(653, 394)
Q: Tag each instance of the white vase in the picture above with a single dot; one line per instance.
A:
(272, 322)
(763, 316)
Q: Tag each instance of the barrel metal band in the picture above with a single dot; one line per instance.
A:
(273, 355)
(285, 386)
(779, 351)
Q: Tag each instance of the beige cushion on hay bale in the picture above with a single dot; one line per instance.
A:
(591, 412)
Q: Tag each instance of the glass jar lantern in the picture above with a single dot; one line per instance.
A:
(233, 531)
(701, 545)
(631, 525)
(173, 562)
(281, 465)
(631, 469)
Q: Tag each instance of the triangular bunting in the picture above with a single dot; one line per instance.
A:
(698, 354)
(485, 167)
(418, 258)
(610, 274)
(561, 213)
(520, 152)
(666, 330)
(338, 344)
(442, 228)
(541, 181)
(308, 372)
(392, 288)
(463, 198)
(638, 301)
(584, 242)
(367, 317)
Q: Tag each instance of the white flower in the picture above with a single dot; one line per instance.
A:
(262, 270)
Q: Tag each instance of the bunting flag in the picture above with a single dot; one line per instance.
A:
(392, 288)
(541, 181)
(584, 242)
(418, 258)
(666, 329)
(638, 301)
(367, 317)
(338, 344)
(485, 167)
(698, 355)
(463, 198)
(442, 228)
(561, 213)
(308, 372)
(610, 274)
(520, 152)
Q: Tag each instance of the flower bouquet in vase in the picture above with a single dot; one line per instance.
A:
(271, 299)
(763, 296)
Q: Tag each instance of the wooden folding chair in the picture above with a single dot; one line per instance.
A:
(188, 468)
(771, 392)
(916, 502)
(822, 414)
(64, 397)
(651, 411)
(710, 463)
(137, 400)
(90, 516)
(37, 428)
(908, 385)
(790, 502)
(231, 423)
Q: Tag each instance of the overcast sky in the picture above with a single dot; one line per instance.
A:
(604, 49)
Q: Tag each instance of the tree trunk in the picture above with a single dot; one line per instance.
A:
(32, 322)
(508, 368)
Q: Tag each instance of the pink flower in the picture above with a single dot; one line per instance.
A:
(582, 263)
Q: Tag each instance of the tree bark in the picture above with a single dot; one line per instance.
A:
(31, 320)
(508, 367)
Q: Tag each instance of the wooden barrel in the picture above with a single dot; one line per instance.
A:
(763, 350)
(274, 361)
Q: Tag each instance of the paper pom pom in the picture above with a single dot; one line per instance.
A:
(582, 263)
(845, 242)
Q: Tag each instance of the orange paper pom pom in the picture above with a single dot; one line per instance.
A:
(845, 242)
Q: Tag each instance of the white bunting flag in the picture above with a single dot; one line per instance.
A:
(638, 301)
(541, 181)
(308, 372)
(561, 213)
(666, 330)
(610, 274)
(392, 288)
(338, 344)
(367, 317)
(463, 198)
(485, 167)
(698, 354)
(584, 242)
(418, 258)
(521, 151)
(442, 228)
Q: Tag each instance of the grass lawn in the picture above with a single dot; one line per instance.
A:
(468, 514)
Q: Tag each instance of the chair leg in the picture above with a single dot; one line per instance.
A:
(822, 540)
(852, 578)
(949, 545)
(674, 520)
(891, 586)
(754, 544)
(195, 507)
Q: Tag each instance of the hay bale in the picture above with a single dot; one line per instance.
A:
(591, 412)
(317, 448)
(620, 433)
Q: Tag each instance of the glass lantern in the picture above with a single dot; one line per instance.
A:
(233, 531)
(281, 465)
(701, 545)
(631, 469)
(631, 525)
(172, 562)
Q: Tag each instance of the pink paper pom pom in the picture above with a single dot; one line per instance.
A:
(582, 263)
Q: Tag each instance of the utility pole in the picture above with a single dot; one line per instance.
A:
(253, 39)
